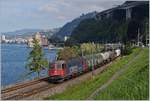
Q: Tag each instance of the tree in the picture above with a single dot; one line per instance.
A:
(126, 49)
(68, 52)
(36, 62)
(76, 51)
(88, 48)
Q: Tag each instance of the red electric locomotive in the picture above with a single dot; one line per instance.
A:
(57, 70)
(61, 70)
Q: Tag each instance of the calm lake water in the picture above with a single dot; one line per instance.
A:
(13, 61)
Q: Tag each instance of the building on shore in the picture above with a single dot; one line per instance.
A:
(3, 38)
(66, 38)
(43, 41)
(29, 42)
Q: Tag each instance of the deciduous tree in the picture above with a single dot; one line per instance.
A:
(36, 61)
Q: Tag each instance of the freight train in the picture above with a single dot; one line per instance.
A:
(62, 70)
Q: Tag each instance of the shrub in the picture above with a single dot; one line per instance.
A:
(126, 50)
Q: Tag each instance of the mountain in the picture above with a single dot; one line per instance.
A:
(30, 32)
(115, 25)
(67, 29)
(22, 31)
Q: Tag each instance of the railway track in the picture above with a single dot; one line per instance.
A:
(18, 92)
(23, 95)
(19, 86)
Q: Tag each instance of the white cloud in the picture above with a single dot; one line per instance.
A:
(69, 9)
(49, 8)
(61, 17)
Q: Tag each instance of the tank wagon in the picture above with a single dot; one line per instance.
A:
(61, 70)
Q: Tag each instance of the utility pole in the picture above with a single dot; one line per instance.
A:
(138, 37)
(92, 61)
(146, 33)
(82, 52)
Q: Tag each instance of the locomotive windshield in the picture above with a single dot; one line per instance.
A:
(58, 65)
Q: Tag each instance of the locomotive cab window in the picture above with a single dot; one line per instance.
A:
(59, 66)
(63, 66)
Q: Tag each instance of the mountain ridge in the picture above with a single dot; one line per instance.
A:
(29, 32)
(67, 29)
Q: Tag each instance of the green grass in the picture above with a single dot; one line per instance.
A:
(133, 85)
(84, 89)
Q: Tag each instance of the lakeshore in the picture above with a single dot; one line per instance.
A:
(14, 58)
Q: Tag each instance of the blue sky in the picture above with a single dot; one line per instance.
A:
(46, 14)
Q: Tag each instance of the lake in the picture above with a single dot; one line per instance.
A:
(13, 61)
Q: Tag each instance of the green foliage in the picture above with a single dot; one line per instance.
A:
(89, 48)
(103, 31)
(127, 49)
(76, 51)
(68, 52)
(85, 88)
(121, 31)
(36, 62)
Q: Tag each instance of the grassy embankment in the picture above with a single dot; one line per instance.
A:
(133, 84)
